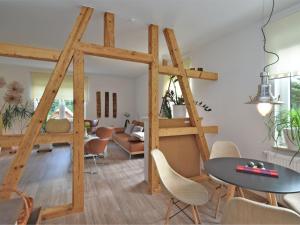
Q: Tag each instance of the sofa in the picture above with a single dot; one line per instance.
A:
(127, 141)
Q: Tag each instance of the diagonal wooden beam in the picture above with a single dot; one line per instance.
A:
(78, 142)
(109, 29)
(17, 166)
(28, 52)
(153, 106)
(186, 92)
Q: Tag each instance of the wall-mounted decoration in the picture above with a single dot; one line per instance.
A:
(114, 105)
(98, 104)
(106, 104)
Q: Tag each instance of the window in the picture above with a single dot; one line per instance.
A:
(62, 106)
(283, 37)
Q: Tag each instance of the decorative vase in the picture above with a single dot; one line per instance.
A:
(289, 143)
(179, 111)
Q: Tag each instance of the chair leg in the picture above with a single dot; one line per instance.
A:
(218, 193)
(168, 211)
(198, 214)
(218, 207)
(95, 164)
(195, 215)
(241, 192)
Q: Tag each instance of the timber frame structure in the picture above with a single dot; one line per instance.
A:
(74, 50)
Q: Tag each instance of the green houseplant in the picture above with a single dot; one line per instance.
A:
(171, 98)
(285, 124)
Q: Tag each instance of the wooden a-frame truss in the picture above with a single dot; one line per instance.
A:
(74, 50)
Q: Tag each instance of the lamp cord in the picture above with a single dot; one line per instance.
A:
(265, 40)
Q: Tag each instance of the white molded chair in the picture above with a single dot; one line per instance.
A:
(179, 188)
(293, 201)
(223, 149)
(245, 211)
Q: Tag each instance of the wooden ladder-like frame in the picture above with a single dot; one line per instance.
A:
(74, 50)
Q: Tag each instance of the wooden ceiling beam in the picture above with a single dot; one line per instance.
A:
(204, 75)
(109, 29)
(114, 53)
(27, 52)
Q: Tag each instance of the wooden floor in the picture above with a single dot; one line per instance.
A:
(116, 195)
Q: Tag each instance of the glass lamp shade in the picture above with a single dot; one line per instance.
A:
(264, 108)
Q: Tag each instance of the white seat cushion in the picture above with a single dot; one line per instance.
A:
(293, 201)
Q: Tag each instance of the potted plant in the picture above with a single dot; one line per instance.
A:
(285, 124)
(171, 98)
(127, 115)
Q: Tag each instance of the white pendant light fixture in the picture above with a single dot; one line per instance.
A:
(264, 98)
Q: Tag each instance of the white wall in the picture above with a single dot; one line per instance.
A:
(239, 60)
(142, 94)
(126, 100)
(123, 86)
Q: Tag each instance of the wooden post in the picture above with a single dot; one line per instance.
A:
(186, 92)
(78, 141)
(109, 30)
(17, 166)
(153, 106)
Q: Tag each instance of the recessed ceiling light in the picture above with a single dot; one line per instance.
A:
(132, 20)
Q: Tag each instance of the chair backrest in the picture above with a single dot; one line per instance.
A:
(58, 126)
(224, 149)
(171, 180)
(245, 211)
(95, 146)
(104, 132)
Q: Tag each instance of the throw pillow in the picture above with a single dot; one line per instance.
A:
(129, 128)
(137, 129)
(139, 135)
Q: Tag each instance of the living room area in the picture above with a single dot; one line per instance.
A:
(138, 112)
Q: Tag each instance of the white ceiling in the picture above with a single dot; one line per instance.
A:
(46, 23)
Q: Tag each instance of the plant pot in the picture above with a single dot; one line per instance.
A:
(179, 111)
(287, 137)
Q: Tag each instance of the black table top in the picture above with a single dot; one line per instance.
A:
(225, 170)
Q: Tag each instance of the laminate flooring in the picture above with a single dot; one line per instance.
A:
(117, 194)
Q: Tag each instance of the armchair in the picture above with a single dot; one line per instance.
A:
(93, 124)
(95, 148)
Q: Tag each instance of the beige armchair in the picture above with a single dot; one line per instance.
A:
(55, 126)
(222, 149)
(179, 188)
(293, 201)
(244, 211)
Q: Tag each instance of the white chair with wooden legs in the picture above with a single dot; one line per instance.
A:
(179, 188)
(293, 201)
(223, 149)
(245, 211)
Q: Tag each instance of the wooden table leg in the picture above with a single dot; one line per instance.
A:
(272, 199)
(230, 192)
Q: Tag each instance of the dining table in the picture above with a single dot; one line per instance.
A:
(225, 169)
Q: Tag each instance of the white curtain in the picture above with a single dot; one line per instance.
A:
(39, 81)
